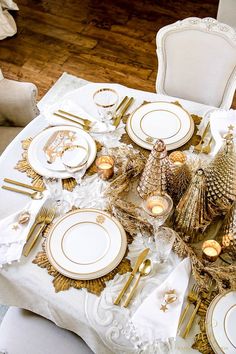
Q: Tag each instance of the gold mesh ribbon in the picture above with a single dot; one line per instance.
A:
(61, 282)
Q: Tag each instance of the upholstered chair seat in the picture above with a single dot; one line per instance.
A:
(197, 61)
(17, 108)
(23, 332)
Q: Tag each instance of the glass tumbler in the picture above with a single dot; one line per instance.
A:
(164, 239)
(106, 100)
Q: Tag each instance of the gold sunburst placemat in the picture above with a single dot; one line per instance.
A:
(37, 180)
(61, 282)
(195, 139)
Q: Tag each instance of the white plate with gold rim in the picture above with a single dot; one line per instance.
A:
(86, 244)
(220, 323)
(160, 120)
(38, 159)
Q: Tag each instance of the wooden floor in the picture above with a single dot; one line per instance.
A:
(101, 41)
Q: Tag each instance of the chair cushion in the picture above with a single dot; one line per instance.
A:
(23, 332)
(7, 134)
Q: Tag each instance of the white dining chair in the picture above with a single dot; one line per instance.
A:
(23, 332)
(197, 61)
(17, 108)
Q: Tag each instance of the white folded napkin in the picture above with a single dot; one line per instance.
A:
(69, 106)
(151, 322)
(220, 120)
(13, 232)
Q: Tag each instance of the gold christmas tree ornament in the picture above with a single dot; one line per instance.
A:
(181, 175)
(156, 173)
(193, 214)
(227, 234)
(221, 175)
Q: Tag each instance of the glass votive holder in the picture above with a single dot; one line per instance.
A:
(159, 207)
(106, 100)
(211, 250)
(105, 166)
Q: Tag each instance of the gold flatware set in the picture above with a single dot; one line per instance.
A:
(45, 217)
(87, 124)
(36, 194)
(143, 270)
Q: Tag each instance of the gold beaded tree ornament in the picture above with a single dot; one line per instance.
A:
(157, 173)
(227, 234)
(193, 214)
(221, 175)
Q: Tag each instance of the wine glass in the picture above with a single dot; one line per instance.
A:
(55, 188)
(106, 100)
(164, 239)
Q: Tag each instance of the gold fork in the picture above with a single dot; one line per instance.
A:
(38, 220)
(192, 298)
(86, 122)
(48, 219)
(198, 147)
(82, 125)
(207, 149)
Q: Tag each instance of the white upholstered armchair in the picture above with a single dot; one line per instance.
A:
(17, 108)
(197, 61)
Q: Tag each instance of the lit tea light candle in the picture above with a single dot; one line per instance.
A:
(158, 205)
(211, 250)
(105, 166)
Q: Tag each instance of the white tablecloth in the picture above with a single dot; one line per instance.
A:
(95, 319)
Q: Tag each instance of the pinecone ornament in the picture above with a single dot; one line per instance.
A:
(181, 175)
(227, 234)
(221, 176)
(156, 171)
(193, 214)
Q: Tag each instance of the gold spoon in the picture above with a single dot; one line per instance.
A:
(144, 269)
(34, 195)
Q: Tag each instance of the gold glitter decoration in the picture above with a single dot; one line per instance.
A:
(100, 219)
(221, 176)
(227, 234)
(149, 139)
(193, 214)
(156, 171)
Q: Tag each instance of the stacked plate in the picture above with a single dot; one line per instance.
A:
(220, 323)
(160, 120)
(86, 244)
(46, 147)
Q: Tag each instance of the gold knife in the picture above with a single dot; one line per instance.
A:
(124, 109)
(140, 259)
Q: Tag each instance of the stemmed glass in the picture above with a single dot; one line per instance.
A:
(157, 208)
(106, 100)
(164, 239)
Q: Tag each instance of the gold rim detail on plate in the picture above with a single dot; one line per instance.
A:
(101, 272)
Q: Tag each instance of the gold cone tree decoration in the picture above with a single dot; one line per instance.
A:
(227, 234)
(156, 172)
(181, 175)
(221, 175)
(193, 213)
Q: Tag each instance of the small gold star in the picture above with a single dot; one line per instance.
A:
(164, 308)
(15, 227)
(231, 127)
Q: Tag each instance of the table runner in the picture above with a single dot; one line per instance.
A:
(98, 322)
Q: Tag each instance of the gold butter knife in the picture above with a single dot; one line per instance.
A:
(124, 109)
(140, 259)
